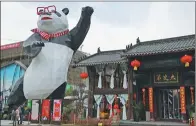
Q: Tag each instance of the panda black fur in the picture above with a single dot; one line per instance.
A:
(46, 75)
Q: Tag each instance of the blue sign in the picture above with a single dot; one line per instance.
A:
(9, 75)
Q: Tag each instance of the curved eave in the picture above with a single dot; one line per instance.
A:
(158, 52)
(98, 63)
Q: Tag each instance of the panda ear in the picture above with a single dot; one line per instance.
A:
(66, 11)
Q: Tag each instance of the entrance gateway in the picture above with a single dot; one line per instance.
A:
(169, 104)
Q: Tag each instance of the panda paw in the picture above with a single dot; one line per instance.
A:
(38, 44)
(88, 10)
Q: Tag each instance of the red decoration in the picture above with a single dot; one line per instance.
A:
(109, 106)
(134, 96)
(182, 100)
(192, 95)
(135, 64)
(84, 75)
(116, 106)
(186, 59)
(191, 88)
(45, 115)
(150, 93)
(143, 96)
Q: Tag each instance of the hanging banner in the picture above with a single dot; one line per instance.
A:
(46, 109)
(192, 95)
(182, 100)
(150, 91)
(144, 96)
(57, 110)
(35, 110)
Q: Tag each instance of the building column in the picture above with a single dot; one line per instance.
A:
(92, 74)
(151, 103)
(130, 94)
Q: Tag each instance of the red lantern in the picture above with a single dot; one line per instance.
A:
(84, 75)
(186, 59)
(135, 64)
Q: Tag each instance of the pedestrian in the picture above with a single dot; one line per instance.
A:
(14, 116)
(18, 116)
(21, 112)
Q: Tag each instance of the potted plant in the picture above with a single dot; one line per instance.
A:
(143, 112)
(137, 111)
(191, 110)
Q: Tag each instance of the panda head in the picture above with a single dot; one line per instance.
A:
(52, 21)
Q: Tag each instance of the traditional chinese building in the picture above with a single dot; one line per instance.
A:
(160, 72)
(107, 76)
(165, 77)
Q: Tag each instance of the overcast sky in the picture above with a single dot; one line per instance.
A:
(113, 26)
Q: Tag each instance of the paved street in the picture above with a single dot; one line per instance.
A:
(122, 123)
(157, 123)
(9, 123)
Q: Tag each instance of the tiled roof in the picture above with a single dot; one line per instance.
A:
(168, 45)
(103, 57)
(78, 54)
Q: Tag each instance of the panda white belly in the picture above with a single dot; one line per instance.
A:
(47, 71)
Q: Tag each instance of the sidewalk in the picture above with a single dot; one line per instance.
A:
(144, 123)
(9, 123)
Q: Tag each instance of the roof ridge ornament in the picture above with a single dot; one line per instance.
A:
(138, 40)
(128, 46)
(98, 50)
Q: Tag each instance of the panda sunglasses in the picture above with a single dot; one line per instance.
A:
(49, 9)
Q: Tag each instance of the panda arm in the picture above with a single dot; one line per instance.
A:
(79, 32)
(28, 45)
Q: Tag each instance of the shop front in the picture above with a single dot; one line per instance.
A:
(164, 77)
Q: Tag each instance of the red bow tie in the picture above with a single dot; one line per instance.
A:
(47, 36)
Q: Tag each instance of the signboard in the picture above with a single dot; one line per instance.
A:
(182, 100)
(29, 104)
(166, 77)
(46, 109)
(57, 110)
(35, 110)
(150, 92)
(10, 46)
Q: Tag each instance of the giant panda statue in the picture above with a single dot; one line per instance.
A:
(51, 46)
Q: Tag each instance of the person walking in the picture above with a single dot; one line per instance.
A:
(18, 115)
(21, 113)
(14, 116)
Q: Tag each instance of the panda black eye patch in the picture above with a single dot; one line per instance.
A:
(57, 13)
